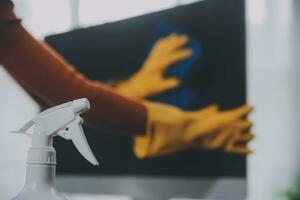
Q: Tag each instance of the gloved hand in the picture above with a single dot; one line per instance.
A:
(232, 138)
(170, 130)
(150, 80)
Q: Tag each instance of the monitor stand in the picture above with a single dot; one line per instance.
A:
(150, 188)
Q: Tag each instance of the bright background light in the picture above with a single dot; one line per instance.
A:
(94, 12)
(43, 18)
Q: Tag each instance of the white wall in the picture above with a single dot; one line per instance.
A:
(272, 89)
(16, 107)
(272, 60)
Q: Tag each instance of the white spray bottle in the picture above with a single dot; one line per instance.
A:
(64, 121)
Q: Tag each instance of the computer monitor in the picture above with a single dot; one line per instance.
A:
(116, 50)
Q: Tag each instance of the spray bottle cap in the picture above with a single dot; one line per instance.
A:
(62, 120)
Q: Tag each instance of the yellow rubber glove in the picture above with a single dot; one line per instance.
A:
(150, 80)
(233, 139)
(170, 130)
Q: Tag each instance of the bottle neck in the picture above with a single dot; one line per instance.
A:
(41, 167)
(40, 177)
(40, 139)
(40, 173)
(41, 156)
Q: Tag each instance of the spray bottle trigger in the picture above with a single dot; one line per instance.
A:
(24, 128)
(75, 133)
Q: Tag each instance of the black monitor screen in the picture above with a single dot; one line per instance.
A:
(116, 50)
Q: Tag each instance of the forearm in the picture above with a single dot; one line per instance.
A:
(51, 79)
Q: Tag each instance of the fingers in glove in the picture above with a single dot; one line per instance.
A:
(169, 83)
(246, 137)
(220, 139)
(238, 137)
(244, 125)
(176, 56)
(220, 120)
(210, 108)
(204, 112)
(240, 150)
(168, 44)
(232, 116)
(174, 41)
(241, 111)
(233, 145)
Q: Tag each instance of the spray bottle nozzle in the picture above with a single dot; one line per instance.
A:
(81, 105)
(62, 120)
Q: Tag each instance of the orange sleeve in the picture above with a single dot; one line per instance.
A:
(52, 80)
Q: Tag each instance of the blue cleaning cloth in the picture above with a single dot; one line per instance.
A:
(184, 96)
(180, 69)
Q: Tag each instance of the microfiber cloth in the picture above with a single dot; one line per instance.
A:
(184, 96)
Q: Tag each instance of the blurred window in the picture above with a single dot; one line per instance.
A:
(47, 17)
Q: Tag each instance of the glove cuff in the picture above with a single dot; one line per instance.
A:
(131, 88)
(142, 143)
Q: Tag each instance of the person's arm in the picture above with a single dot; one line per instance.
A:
(51, 79)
